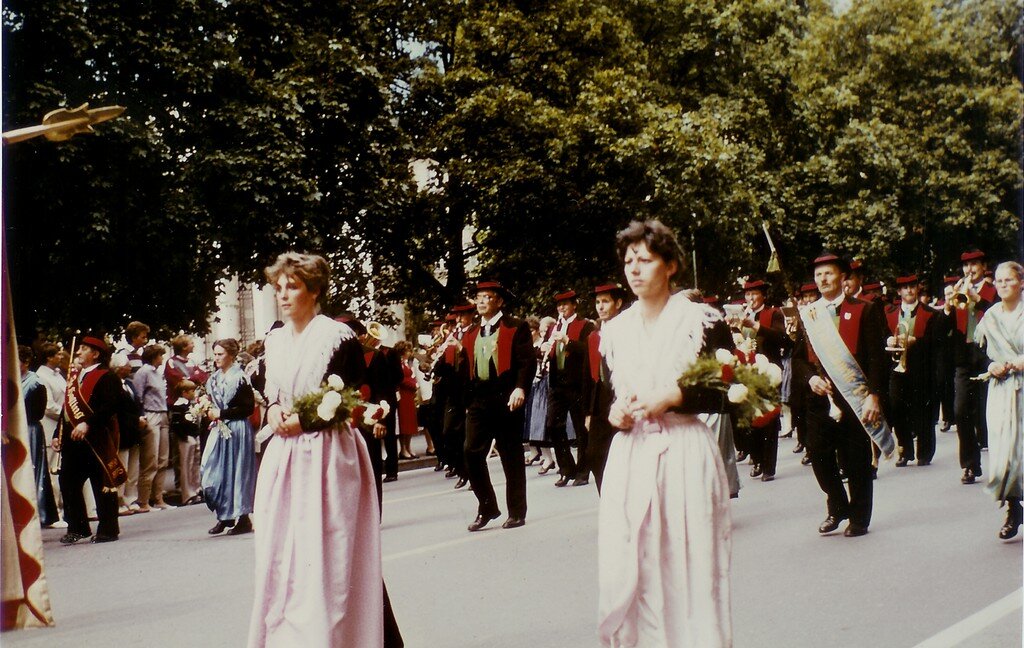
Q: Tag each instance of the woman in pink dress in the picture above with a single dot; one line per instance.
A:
(318, 556)
(664, 531)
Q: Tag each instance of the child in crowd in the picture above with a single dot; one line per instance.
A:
(184, 428)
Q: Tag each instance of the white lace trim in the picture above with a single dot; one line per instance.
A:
(296, 364)
(645, 358)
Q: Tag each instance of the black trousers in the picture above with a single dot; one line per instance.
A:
(910, 415)
(488, 419)
(78, 464)
(455, 437)
(971, 428)
(830, 442)
(565, 403)
(390, 442)
(763, 444)
(601, 435)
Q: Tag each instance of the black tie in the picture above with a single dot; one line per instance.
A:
(487, 330)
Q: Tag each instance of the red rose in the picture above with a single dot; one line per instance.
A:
(357, 414)
(766, 418)
(728, 374)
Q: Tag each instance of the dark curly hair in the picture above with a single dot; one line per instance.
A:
(659, 239)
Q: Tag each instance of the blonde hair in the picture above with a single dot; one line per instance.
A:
(1014, 267)
(310, 269)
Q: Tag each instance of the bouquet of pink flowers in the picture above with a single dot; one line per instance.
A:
(329, 406)
(750, 382)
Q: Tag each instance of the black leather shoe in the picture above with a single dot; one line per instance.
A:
(767, 478)
(924, 462)
(244, 525)
(787, 435)
(562, 481)
(581, 481)
(798, 449)
(482, 520)
(450, 473)
(901, 462)
(946, 425)
(536, 459)
(546, 469)
(806, 461)
(220, 526)
(513, 522)
(461, 483)
(439, 467)
(968, 477)
(741, 456)
(71, 538)
(874, 472)
(756, 471)
(97, 539)
(390, 478)
(854, 530)
(830, 524)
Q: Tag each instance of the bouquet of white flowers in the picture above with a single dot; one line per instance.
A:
(329, 406)
(750, 382)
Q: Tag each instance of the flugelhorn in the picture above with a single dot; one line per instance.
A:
(376, 330)
(961, 299)
(901, 344)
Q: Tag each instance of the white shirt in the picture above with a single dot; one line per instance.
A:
(492, 323)
(55, 385)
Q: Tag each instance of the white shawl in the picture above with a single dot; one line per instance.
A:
(297, 362)
(643, 358)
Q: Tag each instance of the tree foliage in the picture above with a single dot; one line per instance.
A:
(382, 132)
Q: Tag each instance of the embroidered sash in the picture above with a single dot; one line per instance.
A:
(103, 443)
(842, 368)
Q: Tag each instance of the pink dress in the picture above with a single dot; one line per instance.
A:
(664, 529)
(318, 561)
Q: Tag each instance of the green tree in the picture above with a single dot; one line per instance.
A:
(910, 117)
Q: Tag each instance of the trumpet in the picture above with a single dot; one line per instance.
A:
(900, 344)
(961, 298)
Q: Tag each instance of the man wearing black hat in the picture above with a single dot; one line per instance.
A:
(500, 363)
(912, 326)
(608, 300)
(766, 327)
(88, 442)
(973, 295)
(566, 355)
(840, 429)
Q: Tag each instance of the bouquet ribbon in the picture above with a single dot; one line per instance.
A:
(843, 370)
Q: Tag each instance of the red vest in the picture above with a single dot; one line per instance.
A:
(504, 348)
(892, 317)
(594, 350)
(849, 326)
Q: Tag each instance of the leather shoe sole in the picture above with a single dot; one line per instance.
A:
(459, 484)
(854, 530)
(767, 478)
(513, 522)
(482, 520)
(830, 524)
(583, 481)
(562, 481)
(97, 539)
(390, 478)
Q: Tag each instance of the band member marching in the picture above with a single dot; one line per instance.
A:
(766, 327)
(972, 296)
(566, 354)
(608, 300)
(841, 358)
(501, 363)
(452, 373)
(912, 338)
(88, 442)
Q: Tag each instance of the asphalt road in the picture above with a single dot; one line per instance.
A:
(930, 573)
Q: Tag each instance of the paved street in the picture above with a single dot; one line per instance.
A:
(931, 569)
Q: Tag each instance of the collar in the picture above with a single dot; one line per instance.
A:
(837, 302)
(755, 312)
(566, 321)
(908, 308)
(88, 369)
(493, 321)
